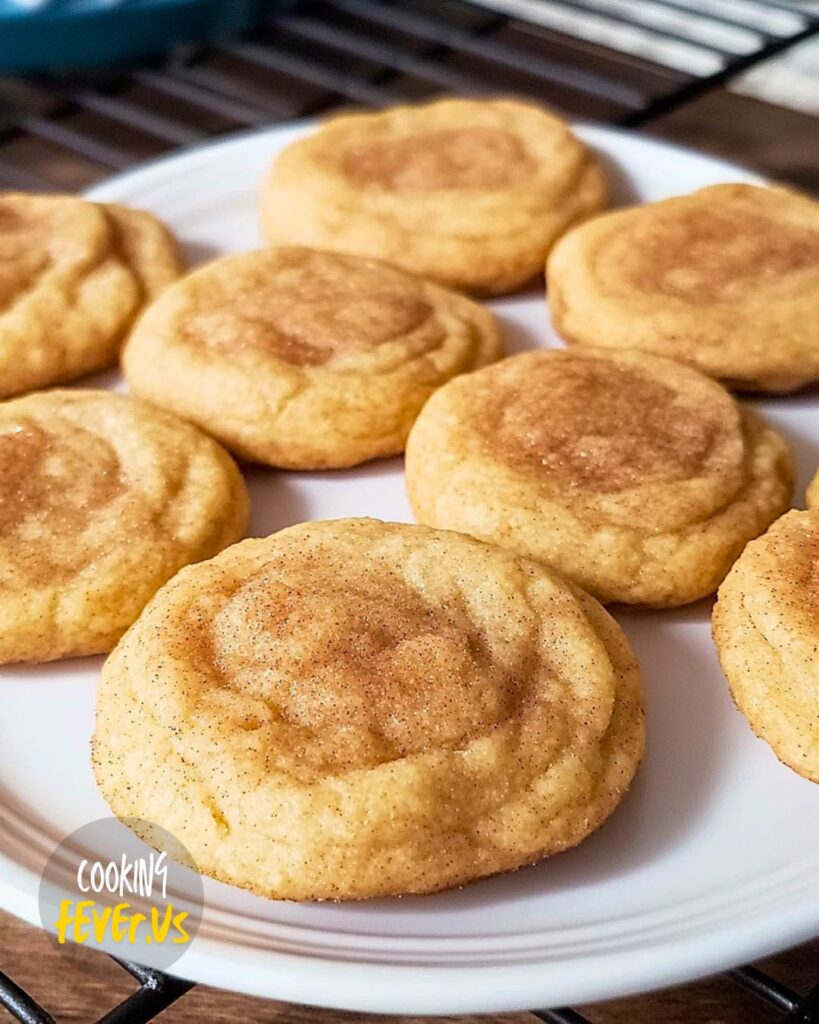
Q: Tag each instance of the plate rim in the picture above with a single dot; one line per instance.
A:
(438, 990)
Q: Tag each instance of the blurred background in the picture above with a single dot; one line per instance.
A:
(90, 87)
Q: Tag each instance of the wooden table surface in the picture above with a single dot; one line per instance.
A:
(83, 986)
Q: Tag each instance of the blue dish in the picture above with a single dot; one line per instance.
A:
(65, 34)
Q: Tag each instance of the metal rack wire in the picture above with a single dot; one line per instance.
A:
(65, 132)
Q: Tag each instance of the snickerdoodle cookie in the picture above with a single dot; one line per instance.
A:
(637, 477)
(146, 246)
(102, 499)
(354, 708)
(469, 193)
(813, 492)
(766, 629)
(725, 279)
(73, 276)
(305, 359)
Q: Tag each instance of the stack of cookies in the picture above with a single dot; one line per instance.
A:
(355, 708)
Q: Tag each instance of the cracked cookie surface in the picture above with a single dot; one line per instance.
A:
(725, 279)
(766, 630)
(637, 477)
(469, 193)
(73, 277)
(813, 492)
(102, 499)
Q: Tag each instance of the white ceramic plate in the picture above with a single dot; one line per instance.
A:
(712, 859)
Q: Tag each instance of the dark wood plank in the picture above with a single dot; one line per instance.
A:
(781, 143)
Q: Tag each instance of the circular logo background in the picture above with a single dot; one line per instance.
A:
(133, 892)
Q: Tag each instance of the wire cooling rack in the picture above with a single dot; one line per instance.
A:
(157, 991)
(623, 62)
